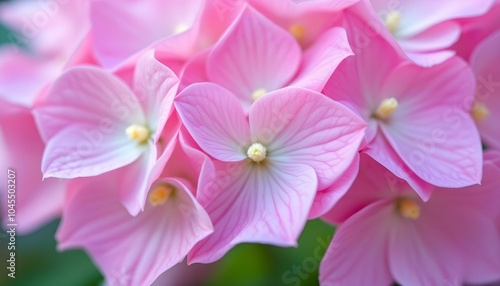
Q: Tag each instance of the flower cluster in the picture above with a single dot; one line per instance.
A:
(166, 129)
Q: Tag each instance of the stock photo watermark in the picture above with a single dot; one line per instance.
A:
(11, 223)
(299, 272)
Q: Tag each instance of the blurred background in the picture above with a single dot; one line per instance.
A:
(38, 263)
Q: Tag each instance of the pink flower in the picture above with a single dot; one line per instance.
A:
(125, 31)
(419, 122)
(136, 250)
(267, 167)
(426, 29)
(255, 56)
(51, 31)
(93, 123)
(389, 234)
(486, 108)
(36, 201)
(305, 20)
(476, 29)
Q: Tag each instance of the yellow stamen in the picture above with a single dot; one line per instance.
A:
(408, 208)
(138, 133)
(257, 152)
(298, 32)
(386, 108)
(258, 93)
(479, 111)
(161, 194)
(392, 21)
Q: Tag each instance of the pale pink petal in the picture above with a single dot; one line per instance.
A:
(83, 118)
(357, 253)
(430, 59)
(215, 119)
(137, 179)
(264, 204)
(301, 126)
(22, 75)
(322, 58)
(327, 198)
(431, 129)
(254, 54)
(488, 88)
(155, 86)
(420, 15)
(87, 95)
(37, 201)
(435, 38)
(95, 220)
(126, 31)
(78, 152)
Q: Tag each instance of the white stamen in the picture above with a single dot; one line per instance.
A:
(138, 133)
(257, 152)
(180, 28)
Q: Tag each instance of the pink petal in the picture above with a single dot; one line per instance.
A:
(473, 255)
(305, 127)
(431, 129)
(83, 118)
(253, 54)
(358, 80)
(438, 37)
(83, 153)
(215, 119)
(357, 253)
(37, 201)
(253, 204)
(322, 58)
(194, 70)
(155, 86)
(126, 31)
(373, 183)
(487, 89)
(95, 220)
(329, 197)
(137, 179)
(86, 95)
(381, 150)
(420, 15)
(430, 59)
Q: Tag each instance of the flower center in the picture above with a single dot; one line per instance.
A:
(298, 32)
(160, 195)
(258, 93)
(257, 152)
(138, 133)
(392, 21)
(479, 111)
(408, 208)
(386, 108)
(179, 28)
